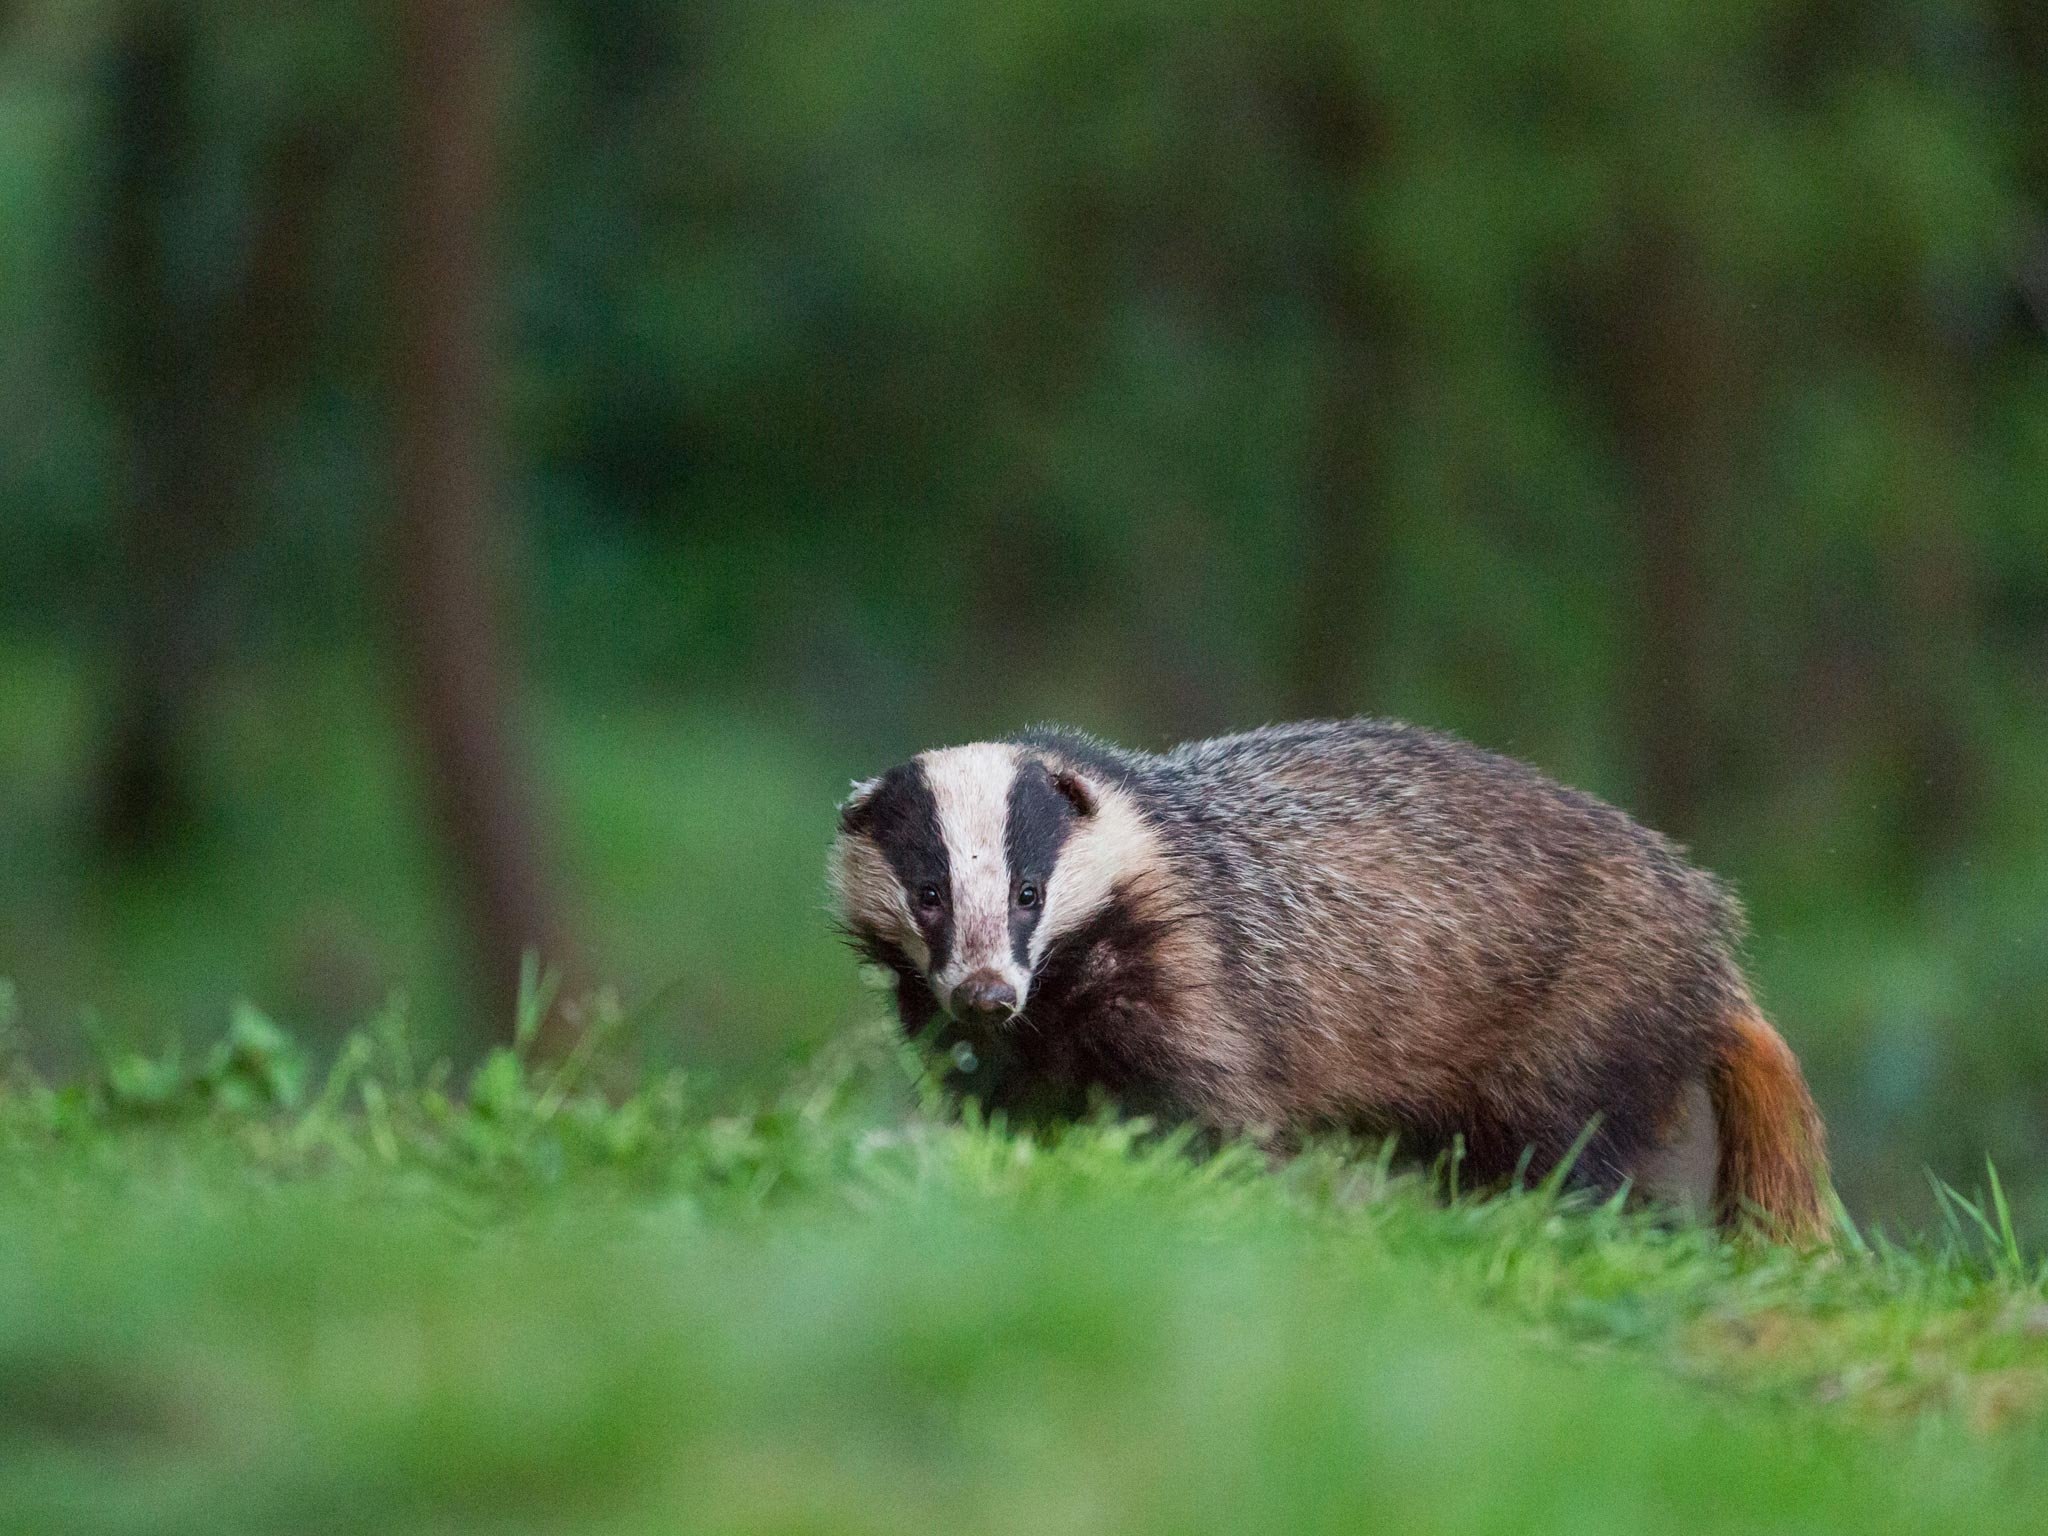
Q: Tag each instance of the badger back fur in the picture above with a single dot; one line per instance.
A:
(1351, 924)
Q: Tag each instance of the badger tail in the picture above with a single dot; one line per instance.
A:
(1773, 1166)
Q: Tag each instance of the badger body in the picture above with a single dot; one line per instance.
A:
(1350, 924)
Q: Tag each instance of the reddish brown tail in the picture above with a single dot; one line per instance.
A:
(1773, 1147)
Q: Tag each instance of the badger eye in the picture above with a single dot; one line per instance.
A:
(1027, 895)
(928, 897)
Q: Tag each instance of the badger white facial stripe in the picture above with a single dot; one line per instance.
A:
(971, 789)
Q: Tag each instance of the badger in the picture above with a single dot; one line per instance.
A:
(1351, 925)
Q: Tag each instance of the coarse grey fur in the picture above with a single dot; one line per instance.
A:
(1353, 924)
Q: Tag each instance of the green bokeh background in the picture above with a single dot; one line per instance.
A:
(1657, 393)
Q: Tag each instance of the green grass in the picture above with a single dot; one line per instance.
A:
(237, 1294)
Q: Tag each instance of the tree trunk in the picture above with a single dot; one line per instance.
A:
(188, 365)
(1341, 549)
(1665, 383)
(1342, 546)
(450, 542)
(169, 523)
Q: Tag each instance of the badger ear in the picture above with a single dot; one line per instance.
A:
(854, 809)
(1076, 791)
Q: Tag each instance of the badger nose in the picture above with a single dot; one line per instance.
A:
(983, 996)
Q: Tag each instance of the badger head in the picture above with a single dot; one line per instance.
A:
(965, 865)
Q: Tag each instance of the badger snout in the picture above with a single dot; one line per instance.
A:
(983, 998)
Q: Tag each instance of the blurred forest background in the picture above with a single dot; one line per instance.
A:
(481, 472)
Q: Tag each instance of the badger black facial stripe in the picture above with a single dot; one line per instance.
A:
(901, 816)
(1040, 818)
